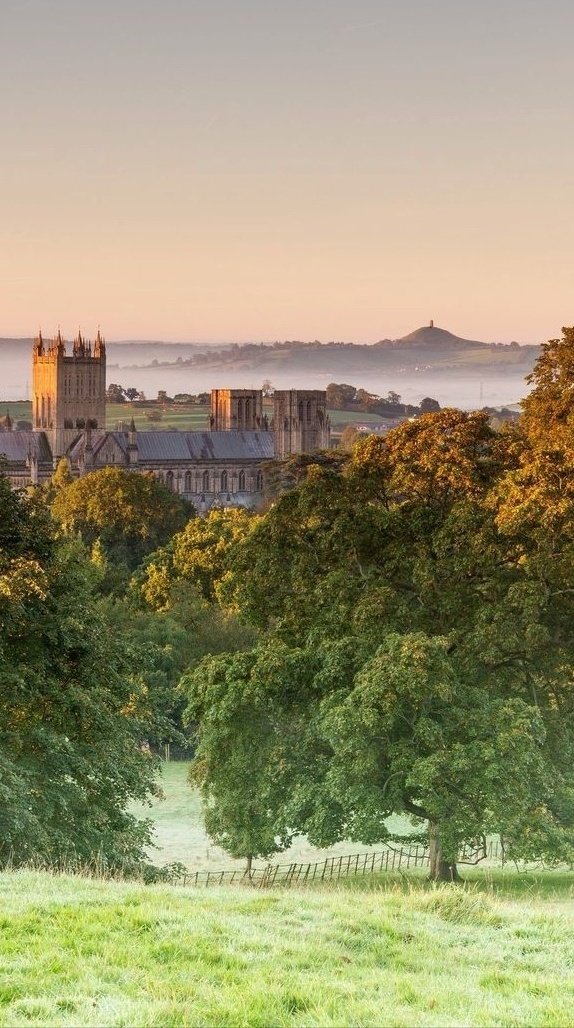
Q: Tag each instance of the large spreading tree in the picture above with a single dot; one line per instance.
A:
(434, 652)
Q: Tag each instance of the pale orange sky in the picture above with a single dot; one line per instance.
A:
(270, 170)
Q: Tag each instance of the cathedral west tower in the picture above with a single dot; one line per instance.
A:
(239, 410)
(300, 422)
(68, 392)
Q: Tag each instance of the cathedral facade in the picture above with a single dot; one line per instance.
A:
(221, 466)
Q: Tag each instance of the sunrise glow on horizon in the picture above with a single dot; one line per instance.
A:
(259, 170)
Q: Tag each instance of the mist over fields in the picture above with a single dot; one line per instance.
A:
(428, 362)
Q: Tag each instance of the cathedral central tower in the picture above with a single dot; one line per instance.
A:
(68, 392)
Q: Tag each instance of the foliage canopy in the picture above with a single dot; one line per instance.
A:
(434, 651)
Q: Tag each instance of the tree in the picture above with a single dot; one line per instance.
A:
(130, 514)
(331, 740)
(235, 749)
(428, 405)
(443, 698)
(115, 393)
(340, 396)
(73, 711)
(197, 555)
(366, 400)
(132, 394)
(349, 436)
(548, 411)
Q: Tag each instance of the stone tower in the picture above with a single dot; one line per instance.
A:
(300, 422)
(68, 392)
(237, 409)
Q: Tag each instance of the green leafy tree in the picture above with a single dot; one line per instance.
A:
(169, 640)
(459, 711)
(234, 751)
(197, 555)
(74, 713)
(129, 514)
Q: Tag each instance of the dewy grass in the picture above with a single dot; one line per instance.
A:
(75, 951)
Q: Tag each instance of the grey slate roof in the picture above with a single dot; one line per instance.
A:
(15, 446)
(187, 446)
(231, 445)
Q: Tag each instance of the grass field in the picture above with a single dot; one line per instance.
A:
(185, 417)
(181, 836)
(75, 951)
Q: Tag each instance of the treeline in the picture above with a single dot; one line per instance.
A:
(341, 396)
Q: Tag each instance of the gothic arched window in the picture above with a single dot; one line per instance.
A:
(241, 481)
(205, 482)
(259, 482)
(187, 482)
(224, 481)
(169, 480)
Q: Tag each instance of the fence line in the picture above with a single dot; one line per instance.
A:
(333, 868)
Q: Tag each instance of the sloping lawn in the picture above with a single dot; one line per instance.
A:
(75, 951)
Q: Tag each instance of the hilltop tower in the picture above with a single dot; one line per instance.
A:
(300, 423)
(68, 392)
(239, 410)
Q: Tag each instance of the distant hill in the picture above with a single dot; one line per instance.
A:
(426, 349)
(432, 338)
(430, 361)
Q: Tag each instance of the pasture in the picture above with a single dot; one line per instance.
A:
(187, 417)
(180, 835)
(75, 951)
(384, 950)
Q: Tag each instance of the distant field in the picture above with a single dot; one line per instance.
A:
(19, 410)
(181, 836)
(75, 951)
(185, 417)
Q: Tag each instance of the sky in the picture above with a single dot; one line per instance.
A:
(286, 169)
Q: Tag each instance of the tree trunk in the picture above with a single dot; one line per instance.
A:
(441, 869)
(249, 863)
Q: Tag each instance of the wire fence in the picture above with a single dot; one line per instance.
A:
(351, 865)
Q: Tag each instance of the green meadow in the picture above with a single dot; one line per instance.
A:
(180, 835)
(380, 950)
(187, 417)
(496, 951)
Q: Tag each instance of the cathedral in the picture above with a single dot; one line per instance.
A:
(222, 466)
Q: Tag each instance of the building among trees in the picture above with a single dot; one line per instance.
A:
(220, 466)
